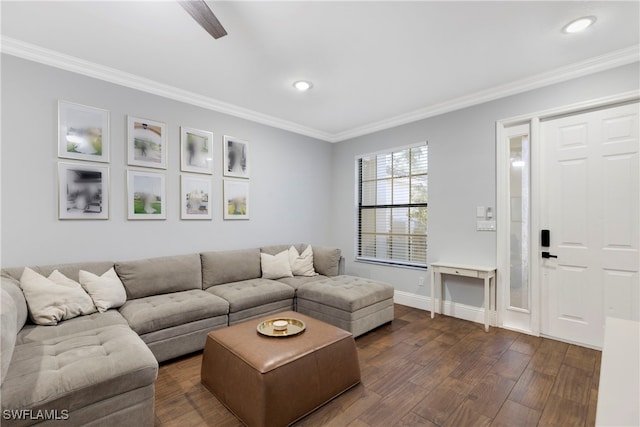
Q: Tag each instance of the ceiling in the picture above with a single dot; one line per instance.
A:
(373, 64)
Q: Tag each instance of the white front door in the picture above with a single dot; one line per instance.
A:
(590, 191)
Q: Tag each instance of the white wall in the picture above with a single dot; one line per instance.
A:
(290, 177)
(462, 175)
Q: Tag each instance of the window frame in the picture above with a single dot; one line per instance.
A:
(359, 207)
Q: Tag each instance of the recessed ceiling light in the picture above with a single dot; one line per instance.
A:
(579, 24)
(303, 85)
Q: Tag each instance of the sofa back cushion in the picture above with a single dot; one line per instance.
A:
(276, 249)
(161, 275)
(13, 315)
(71, 270)
(230, 266)
(326, 261)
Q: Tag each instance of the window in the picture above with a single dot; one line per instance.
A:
(392, 207)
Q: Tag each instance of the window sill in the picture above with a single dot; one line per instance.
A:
(391, 264)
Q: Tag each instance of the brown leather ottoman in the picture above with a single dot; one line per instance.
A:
(269, 381)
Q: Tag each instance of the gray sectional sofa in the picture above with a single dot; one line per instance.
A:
(100, 368)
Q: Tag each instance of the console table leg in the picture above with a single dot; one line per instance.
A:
(487, 303)
(433, 295)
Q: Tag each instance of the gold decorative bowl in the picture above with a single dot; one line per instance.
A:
(281, 327)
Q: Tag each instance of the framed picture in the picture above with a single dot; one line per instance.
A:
(236, 157)
(83, 191)
(83, 132)
(146, 195)
(196, 148)
(236, 199)
(146, 143)
(196, 197)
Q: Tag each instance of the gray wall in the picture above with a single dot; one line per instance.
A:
(290, 177)
(462, 175)
(302, 190)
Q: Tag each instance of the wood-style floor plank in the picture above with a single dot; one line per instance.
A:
(423, 372)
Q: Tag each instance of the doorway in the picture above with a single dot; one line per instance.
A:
(589, 205)
(572, 172)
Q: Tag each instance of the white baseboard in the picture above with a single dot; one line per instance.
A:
(453, 309)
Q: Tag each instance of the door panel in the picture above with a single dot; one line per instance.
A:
(590, 202)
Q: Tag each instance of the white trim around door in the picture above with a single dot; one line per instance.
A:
(527, 320)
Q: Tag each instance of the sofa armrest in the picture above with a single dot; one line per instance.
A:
(13, 315)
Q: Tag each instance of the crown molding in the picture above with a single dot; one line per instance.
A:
(56, 59)
(594, 65)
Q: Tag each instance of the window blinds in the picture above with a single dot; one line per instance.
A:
(392, 206)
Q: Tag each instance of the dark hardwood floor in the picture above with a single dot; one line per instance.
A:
(419, 371)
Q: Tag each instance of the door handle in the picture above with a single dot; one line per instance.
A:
(548, 255)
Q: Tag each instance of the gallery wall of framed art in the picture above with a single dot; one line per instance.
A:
(83, 134)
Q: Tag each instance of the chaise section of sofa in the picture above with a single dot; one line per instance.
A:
(166, 305)
(90, 370)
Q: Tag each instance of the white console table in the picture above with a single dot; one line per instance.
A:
(488, 274)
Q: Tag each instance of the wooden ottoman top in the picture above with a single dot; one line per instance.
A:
(267, 353)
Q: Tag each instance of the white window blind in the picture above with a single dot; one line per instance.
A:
(392, 206)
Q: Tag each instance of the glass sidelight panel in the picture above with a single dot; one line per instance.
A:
(519, 224)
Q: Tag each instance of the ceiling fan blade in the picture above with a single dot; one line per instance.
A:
(199, 10)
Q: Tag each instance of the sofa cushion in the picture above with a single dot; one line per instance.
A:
(32, 333)
(276, 249)
(73, 371)
(347, 293)
(297, 281)
(106, 291)
(275, 266)
(326, 261)
(252, 293)
(161, 275)
(70, 270)
(230, 266)
(55, 298)
(158, 312)
(301, 263)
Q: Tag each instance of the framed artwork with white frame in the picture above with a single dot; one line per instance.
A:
(196, 197)
(236, 157)
(146, 143)
(146, 195)
(83, 132)
(196, 150)
(236, 199)
(83, 191)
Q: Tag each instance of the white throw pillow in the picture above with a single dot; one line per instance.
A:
(53, 299)
(107, 291)
(302, 264)
(275, 266)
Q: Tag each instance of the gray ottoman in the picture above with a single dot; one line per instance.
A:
(355, 304)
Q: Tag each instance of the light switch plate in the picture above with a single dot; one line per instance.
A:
(480, 212)
(485, 226)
